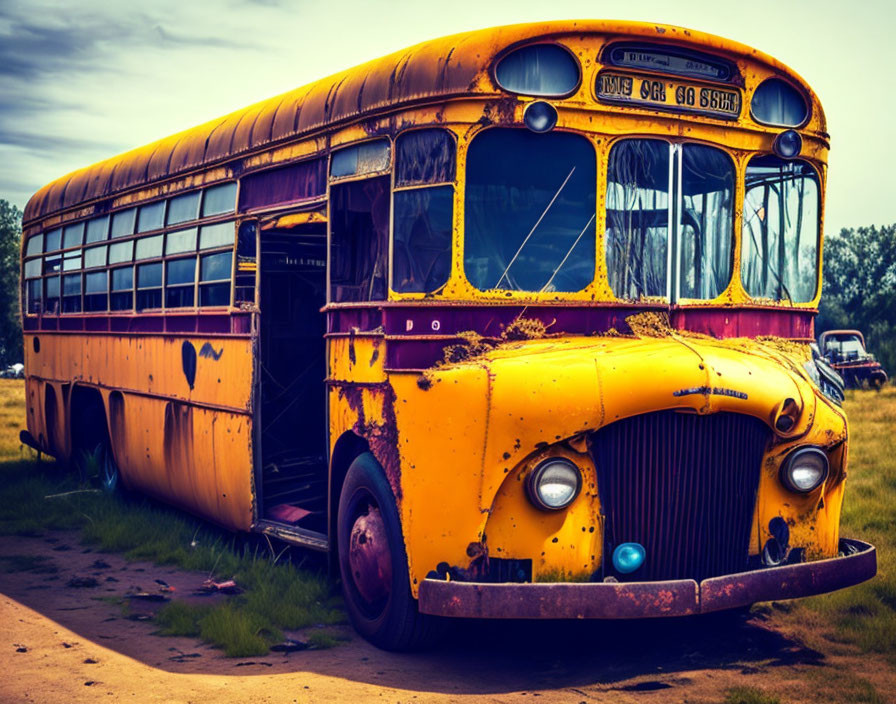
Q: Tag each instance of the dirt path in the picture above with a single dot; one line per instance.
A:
(69, 644)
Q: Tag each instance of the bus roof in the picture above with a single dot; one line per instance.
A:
(436, 69)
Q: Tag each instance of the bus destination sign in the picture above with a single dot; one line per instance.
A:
(663, 94)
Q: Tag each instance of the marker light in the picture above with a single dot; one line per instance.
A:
(804, 469)
(788, 144)
(540, 116)
(554, 484)
(627, 557)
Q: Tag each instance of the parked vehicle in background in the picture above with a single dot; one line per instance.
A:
(845, 352)
(13, 371)
(517, 323)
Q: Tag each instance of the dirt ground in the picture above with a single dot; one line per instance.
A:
(68, 643)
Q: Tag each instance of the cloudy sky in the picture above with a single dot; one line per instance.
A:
(81, 81)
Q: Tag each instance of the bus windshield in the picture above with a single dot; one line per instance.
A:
(530, 211)
(638, 216)
(780, 232)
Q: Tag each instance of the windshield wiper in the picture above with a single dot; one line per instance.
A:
(563, 261)
(535, 226)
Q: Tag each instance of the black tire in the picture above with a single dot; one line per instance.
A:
(390, 620)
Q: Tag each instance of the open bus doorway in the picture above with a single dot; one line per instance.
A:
(292, 484)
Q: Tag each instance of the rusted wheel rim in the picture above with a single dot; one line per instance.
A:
(369, 557)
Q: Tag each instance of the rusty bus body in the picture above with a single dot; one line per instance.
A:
(307, 339)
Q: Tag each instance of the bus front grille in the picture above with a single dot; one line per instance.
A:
(682, 485)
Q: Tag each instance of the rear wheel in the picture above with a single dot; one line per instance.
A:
(373, 563)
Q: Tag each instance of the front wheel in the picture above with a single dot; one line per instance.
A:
(373, 563)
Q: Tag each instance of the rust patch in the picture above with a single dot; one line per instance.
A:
(381, 437)
(351, 346)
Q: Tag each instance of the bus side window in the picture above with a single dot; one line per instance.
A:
(359, 227)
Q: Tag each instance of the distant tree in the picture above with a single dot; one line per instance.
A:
(859, 288)
(10, 322)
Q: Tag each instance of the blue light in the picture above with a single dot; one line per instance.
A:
(627, 557)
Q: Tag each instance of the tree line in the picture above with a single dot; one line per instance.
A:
(858, 290)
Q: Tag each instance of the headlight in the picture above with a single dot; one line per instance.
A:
(554, 484)
(804, 469)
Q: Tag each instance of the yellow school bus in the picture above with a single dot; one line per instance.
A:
(516, 323)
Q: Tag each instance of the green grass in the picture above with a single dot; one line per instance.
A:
(844, 687)
(277, 594)
(749, 695)
(865, 615)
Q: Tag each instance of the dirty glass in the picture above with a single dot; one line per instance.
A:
(121, 252)
(286, 184)
(72, 261)
(776, 102)
(151, 217)
(33, 294)
(71, 293)
(421, 246)
(780, 230)
(183, 208)
(32, 268)
(52, 297)
(35, 245)
(529, 211)
(366, 158)
(181, 241)
(53, 264)
(123, 222)
(219, 199)
(95, 256)
(96, 297)
(97, 229)
(215, 267)
(180, 276)
(122, 288)
(424, 156)
(53, 240)
(542, 69)
(637, 217)
(707, 222)
(149, 247)
(220, 235)
(149, 286)
(73, 235)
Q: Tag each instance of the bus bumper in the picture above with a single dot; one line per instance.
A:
(615, 600)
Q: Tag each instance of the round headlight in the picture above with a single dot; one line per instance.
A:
(540, 116)
(788, 144)
(804, 469)
(554, 484)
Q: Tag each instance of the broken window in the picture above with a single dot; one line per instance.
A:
(668, 203)
(286, 184)
(424, 210)
(637, 217)
(359, 226)
(780, 230)
(530, 211)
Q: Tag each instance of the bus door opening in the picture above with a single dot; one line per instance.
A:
(292, 369)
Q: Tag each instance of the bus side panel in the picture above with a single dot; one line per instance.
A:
(214, 371)
(196, 458)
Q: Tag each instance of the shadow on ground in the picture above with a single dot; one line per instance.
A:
(476, 657)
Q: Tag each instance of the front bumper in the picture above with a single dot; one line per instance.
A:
(681, 597)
